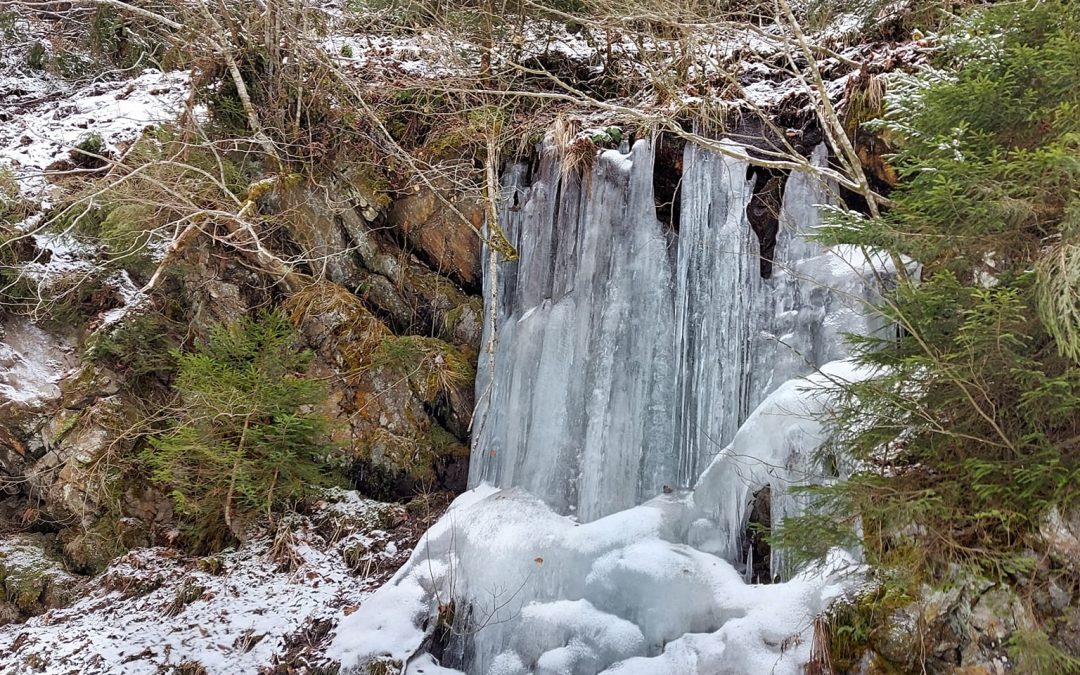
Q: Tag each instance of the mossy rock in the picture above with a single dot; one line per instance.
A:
(32, 578)
(35, 57)
(346, 512)
(90, 550)
(431, 365)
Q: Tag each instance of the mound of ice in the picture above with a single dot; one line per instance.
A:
(638, 591)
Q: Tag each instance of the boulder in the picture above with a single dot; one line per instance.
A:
(406, 401)
(33, 579)
(435, 228)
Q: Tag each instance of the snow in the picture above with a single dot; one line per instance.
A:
(775, 447)
(42, 132)
(237, 620)
(421, 54)
(32, 364)
(61, 255)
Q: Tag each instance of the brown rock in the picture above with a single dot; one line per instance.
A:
(449, 245)
(396, 395)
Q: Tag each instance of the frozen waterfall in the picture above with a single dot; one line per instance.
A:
(641, 591)
(578, 412)
(628, 356)
(647, 384)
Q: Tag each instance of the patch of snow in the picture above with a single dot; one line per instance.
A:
(131, 297)
(46, 128)
(154, 608)
(60, 255)
(32, 364)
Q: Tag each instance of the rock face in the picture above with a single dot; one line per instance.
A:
(403, 398)
(395, 339)
(57, 416)
(963, 630)
(33, 364)
(396, 329)
(340, 228)
(450, 245)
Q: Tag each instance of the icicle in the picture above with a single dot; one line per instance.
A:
(577, 411)
(619, 372)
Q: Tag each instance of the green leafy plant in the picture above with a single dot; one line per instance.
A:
(246, 439)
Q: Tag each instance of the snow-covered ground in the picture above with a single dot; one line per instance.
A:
(273, 599)
(53, 117)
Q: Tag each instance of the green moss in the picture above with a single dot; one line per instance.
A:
(9, 27)
(445, 443)
(29, 578)
(91, 551)
(855, 625)
(70, 419)
(453, 317)
(71, 65)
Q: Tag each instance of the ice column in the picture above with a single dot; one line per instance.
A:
(577, 411)
(718, 292)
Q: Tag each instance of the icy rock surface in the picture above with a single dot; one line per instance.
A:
(636, 591)
(32, 364)
(628, 356)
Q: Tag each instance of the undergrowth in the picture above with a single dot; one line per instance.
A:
(969, 432)
(247, 438)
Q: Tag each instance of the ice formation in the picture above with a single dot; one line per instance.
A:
(646, 385)
(628, 356)
(579, 408)
(643, 590)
